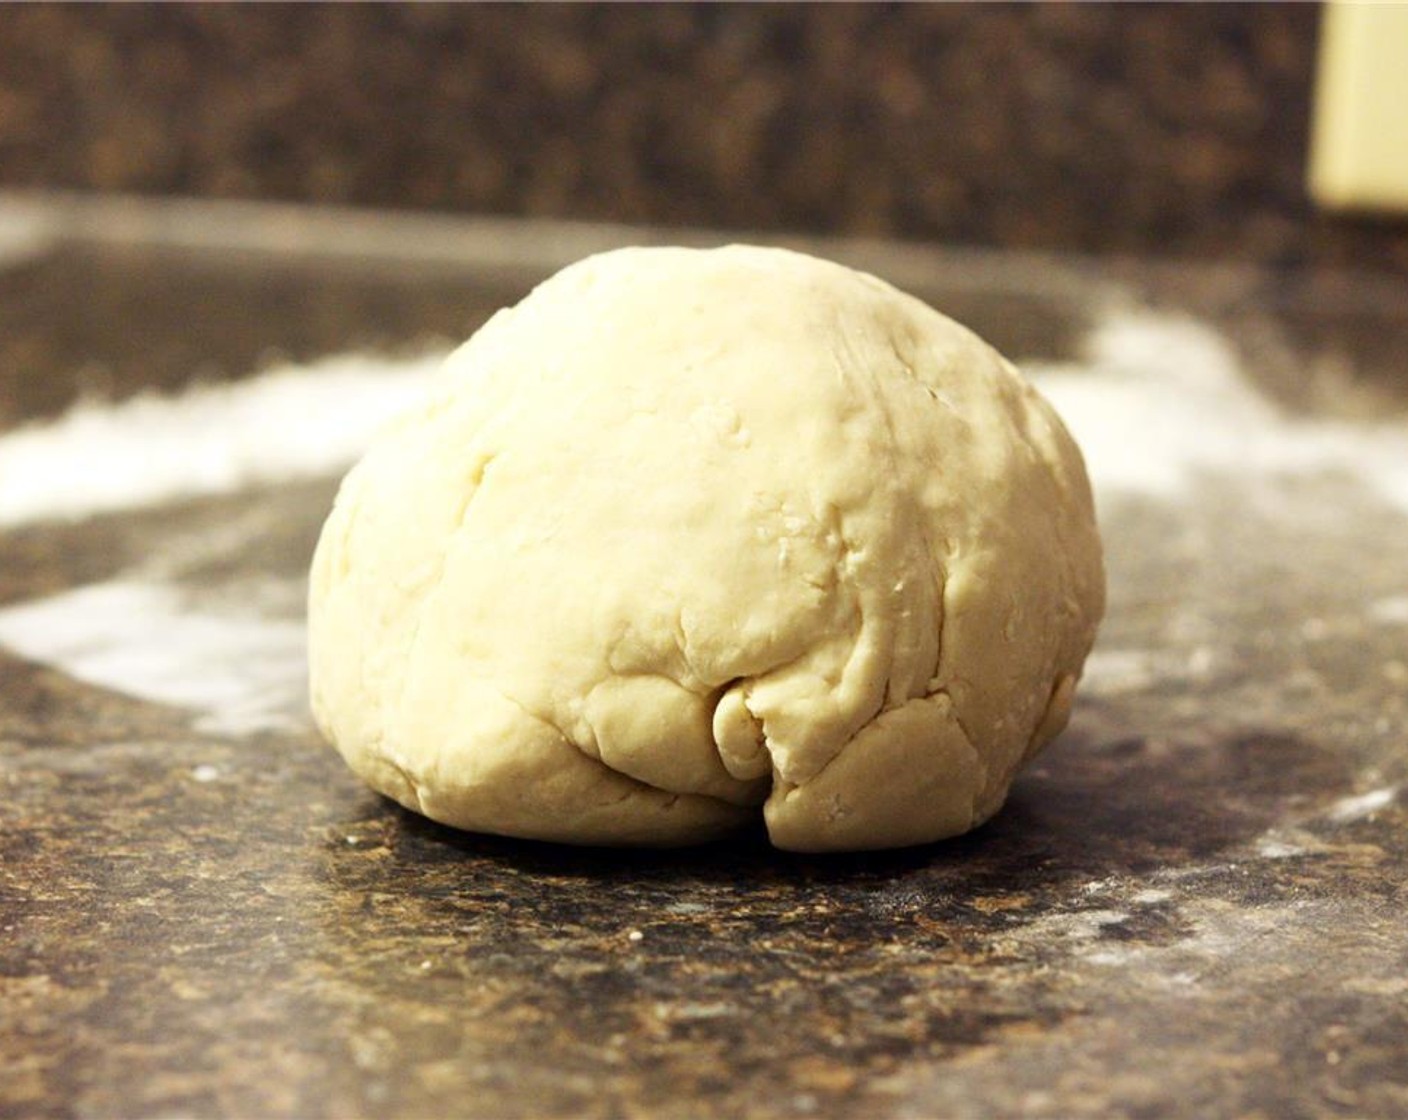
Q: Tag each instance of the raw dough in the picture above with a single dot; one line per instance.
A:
(686, 533)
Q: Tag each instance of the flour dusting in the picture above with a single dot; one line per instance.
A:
(1114, 672)
(292, 422)
(1160, 401)
(241, 670)
(1392, 609)
(1361, 806)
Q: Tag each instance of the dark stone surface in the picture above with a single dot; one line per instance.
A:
(115, 322)
(1165, 128)
(1183, 910)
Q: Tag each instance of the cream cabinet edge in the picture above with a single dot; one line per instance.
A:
(1359, 130)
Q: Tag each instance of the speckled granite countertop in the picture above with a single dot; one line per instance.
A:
(1193, 905)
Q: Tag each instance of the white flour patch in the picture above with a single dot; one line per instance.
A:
(1393, 610)
(1287, 842)
(1114, 672)
(1072, 925)
(292, 422)
(1161, 401)
(1364, 805)
(1109, 672)
(237, 669)
(1271, 847)
(1082, 933)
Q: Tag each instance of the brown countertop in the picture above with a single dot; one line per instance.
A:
(1193, 904)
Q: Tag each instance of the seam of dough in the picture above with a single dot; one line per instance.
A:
(637, 786)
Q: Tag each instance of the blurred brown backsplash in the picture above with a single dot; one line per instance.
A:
(1167, 129)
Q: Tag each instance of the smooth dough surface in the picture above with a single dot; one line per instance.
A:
(687, 533)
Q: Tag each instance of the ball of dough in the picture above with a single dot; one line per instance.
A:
(686, 534)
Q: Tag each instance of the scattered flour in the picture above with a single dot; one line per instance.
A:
(241, 671)
(1160, 401)
(1275, 847)
(1364, 805)
(1113, 672)
(1286, 841)
(1068, 926)
(1393, 610)
(292, 422)
(1110, 672)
